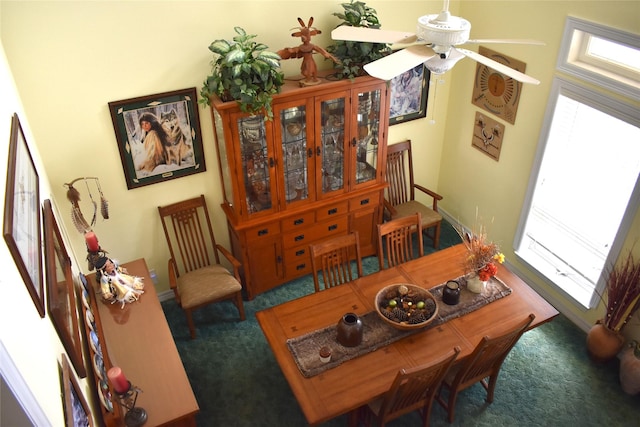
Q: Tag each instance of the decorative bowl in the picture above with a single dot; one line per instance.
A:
(406, 306)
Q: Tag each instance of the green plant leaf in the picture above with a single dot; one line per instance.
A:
(221, 47)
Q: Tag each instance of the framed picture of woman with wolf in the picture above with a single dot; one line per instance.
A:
(158, 136)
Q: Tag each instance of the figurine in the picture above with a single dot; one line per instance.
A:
(306, 51)
(115, 283)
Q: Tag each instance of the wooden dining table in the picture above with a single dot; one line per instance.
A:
(355, 382)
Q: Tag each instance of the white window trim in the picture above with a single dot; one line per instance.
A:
(569, 61)
(623, 111)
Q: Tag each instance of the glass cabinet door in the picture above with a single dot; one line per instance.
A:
(332, 144)
(295, 152)
(255, 163)
(368, 125)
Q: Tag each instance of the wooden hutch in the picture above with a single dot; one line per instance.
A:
(315, 170)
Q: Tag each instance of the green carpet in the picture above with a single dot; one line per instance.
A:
(547, 379)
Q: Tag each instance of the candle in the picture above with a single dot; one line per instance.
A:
(92, 241)
(118, 380)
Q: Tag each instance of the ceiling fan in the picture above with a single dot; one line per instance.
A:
(435, 44)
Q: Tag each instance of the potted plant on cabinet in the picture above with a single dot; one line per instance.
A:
(622, 300)
(354, 55)
(244, 71)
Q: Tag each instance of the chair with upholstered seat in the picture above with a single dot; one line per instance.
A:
(395, 240)
(195, 274)
(485, 362)
(413, 389)
(334, 258)
(400, 194)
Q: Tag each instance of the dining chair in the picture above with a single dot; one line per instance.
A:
(334, 258)
(195, 274)
(484, 362)
(400, 194)
(395, 240)
(413, 389)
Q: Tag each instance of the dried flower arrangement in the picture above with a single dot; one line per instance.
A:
(622, 293)
(483, 254)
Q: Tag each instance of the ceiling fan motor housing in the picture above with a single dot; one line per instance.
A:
(443, 31)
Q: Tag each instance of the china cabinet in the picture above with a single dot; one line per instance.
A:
(313, 171)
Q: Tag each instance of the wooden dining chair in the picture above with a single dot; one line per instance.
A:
(485, 362)
(401, 191)
(395, 240)
(413, 389)
(195, 274)
(334, 258)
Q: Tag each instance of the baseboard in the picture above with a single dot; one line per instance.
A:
(559, 304)
(165, 295)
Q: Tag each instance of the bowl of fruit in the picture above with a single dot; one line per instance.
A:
(406, 306)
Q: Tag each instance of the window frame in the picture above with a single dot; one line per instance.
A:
(602, 73)
(617, 108)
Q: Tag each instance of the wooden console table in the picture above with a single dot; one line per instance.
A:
(139, 341)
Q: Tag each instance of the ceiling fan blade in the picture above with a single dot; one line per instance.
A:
(397, 63)
(508, 41)
(514, 74)
(371, 35)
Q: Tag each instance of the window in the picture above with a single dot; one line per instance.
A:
(585, 185)
(600, 55)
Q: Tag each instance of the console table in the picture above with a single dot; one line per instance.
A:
(139, 341)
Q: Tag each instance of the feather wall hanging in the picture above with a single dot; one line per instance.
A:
(73, 195)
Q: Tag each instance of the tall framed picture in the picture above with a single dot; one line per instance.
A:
(409, 93)
(61, 301)
(21, 228)
(158, 137)
(76, 408)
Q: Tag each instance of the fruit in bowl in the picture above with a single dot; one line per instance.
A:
(406, 306)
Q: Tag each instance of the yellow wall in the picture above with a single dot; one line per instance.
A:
(69, 59)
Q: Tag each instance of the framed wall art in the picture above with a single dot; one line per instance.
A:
(61, 301)
(493, 91)
(158, 137)
(409, 93)
(487, 135)
(21, 228)
(76, 409)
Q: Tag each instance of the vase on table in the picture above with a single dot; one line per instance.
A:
(474, 284)
(630, 369)
(603, 344)
(350, 330)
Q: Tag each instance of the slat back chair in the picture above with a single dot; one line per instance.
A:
(401, 191)
(395, 240)
(413, 389)
(333, 258)
(195, 274)
(485, 362)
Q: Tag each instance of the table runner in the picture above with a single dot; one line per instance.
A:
(378, 333)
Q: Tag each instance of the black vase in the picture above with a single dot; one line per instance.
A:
(349, 330)
(451, 293)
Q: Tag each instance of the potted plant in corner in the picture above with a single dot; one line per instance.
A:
(622, 300)
(354, 55)
(244, 71)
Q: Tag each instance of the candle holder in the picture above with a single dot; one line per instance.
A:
(135, 416)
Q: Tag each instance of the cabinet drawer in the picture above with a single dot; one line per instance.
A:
(297, 261)
(305, 219)
(317, 232)
(331, 211)
(263, 231)
(365, 201)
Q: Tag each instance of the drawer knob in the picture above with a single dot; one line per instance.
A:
(332, 211)
(298, 238)
(298, 221)
(333, 227)
(263, 232)
(364, 201)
